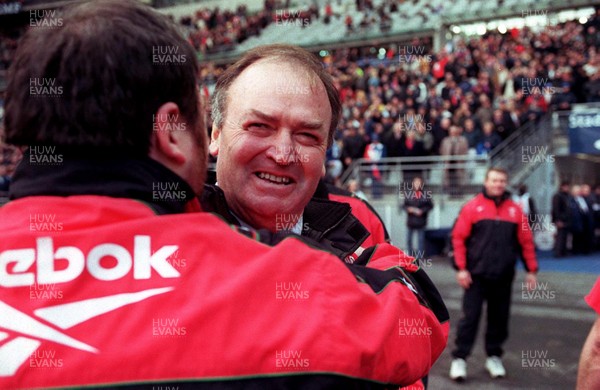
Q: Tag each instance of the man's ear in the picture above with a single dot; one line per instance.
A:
(213, 147)
(167, 131)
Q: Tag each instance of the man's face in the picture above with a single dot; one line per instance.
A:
(495, 183)
(271, 147)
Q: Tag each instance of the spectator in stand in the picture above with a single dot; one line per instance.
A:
(455, 144)
(374, 152)
(353, 144)
(563, 99)
(425, 137)
(489, 140)
(485, 111)
(462, 113)
(472, 133)
(392, 140)
(411, 146)
(536, 103)
(503, 123)
(440, 130)
(349, 24)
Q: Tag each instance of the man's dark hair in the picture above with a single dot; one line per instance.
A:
(284, 53)
(110, 83)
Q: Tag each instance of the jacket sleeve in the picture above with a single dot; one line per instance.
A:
(525, 238)
(427, 206)
(434, 317)
(460, 234)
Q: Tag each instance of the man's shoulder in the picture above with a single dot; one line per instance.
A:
(475, 200)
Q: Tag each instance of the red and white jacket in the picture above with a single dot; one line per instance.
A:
(99, 291)
(488, 238)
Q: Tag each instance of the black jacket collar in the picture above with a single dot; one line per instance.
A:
(329, 223)
(94, 173)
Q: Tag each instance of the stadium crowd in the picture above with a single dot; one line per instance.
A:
(410, 98)
(483, 89)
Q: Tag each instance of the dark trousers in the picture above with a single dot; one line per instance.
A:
(560, 245)
(497, 294)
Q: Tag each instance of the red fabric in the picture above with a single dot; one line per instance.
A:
(418, 385)
(480, 208)
(593, 298)
(222, 299)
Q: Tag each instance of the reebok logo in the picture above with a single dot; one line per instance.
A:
(30, 332)
(15, 263)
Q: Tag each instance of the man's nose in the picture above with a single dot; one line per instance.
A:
(282, 148)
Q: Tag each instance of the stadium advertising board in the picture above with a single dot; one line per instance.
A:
(584, 132)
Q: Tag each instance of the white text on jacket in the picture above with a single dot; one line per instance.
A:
(45, 257)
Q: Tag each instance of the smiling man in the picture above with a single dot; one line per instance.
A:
(271, 147)
(275, 111)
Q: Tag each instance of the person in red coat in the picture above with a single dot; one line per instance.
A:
(488, 237)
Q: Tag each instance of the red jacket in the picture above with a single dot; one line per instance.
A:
(488, 239)
(99, 291)
(593, 298)
(367, 217)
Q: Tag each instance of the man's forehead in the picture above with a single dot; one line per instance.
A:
(495, 175)
(273, 77)
(279, 68)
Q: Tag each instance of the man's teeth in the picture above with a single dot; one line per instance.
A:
(273, 178)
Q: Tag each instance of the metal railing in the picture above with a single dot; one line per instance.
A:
(451, 175)
(524, 150)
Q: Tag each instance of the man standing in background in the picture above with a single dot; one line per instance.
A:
(560, 218)
(488, 237)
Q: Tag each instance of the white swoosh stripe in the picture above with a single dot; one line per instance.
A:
(12, 319)
(14, 353)
(70, 314)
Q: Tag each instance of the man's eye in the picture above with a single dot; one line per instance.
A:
(309, 136)
(256, 125)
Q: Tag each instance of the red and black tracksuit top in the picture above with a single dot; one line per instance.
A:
(99, 291)
(489, 235)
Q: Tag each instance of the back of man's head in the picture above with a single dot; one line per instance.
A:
(111, 64)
